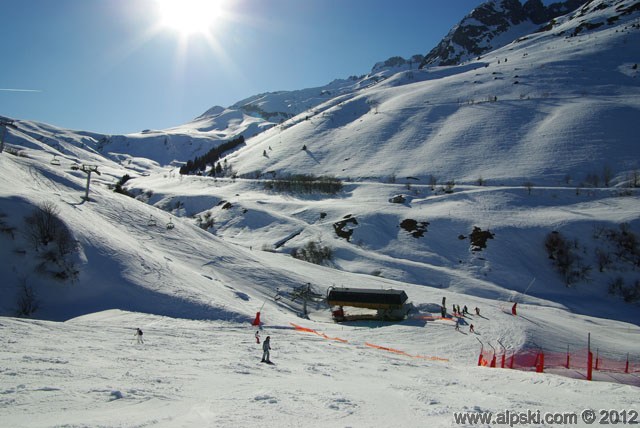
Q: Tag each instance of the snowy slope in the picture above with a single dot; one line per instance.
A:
(203, 373)
(548, 109)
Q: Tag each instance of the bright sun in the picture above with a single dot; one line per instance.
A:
(189, 17)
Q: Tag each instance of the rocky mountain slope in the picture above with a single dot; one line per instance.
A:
(493, 25)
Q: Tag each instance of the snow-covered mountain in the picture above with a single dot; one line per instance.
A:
(549, 108)
(491, 26)
(512, 178)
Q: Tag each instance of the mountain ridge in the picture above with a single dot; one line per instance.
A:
(518, 79)
(485, 28)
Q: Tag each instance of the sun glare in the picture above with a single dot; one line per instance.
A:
(189, 17)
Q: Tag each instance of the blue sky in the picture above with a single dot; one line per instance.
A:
(114, 66)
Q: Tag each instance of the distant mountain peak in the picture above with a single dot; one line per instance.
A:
(492, 25)
(397, 62)
(212, 112)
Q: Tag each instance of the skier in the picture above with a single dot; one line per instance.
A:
(471, 329)
(458, 324)
(266, 347)
(138, 335)
(477, 310)
(465, 310)
(258, 336)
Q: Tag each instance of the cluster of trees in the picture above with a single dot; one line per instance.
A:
(566, 257)
(46, 230)
(630, 293)
(313, 252)
(304, 183)
(620, 252)
(200, 163)
(118, 188)
(54, 245)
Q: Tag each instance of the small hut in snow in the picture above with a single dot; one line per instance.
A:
(383, 304)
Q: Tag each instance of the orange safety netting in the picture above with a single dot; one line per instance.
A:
(396, 351)
(310, 330)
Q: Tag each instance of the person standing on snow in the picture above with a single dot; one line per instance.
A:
(138, 335)
(266, 347)
(258, 336)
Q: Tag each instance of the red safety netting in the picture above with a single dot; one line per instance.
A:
(579, 359)
(538, 360)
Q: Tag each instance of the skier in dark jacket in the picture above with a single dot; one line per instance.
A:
(266, 347)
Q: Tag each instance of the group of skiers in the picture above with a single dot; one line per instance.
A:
(459, 314)
(266, 345)
(464, 311)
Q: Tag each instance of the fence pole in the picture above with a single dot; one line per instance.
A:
(597, 358)
(626, 367)
(589, 359)
(511, 360)
(504, 355)
(540, 363)
(493, 359)
(567, 356)
(481, 351)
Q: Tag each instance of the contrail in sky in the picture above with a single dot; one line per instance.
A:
(19, 90)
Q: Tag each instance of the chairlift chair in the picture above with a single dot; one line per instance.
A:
(151, 222)
(55, 161)
(170, 225)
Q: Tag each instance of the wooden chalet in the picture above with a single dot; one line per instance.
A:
(388, 304)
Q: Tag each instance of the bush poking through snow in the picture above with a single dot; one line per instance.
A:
(415, 228)
(5, 228)
(341, 228)
(313, 252)
(46, 230)
(118, 186)
(630, 293)
(479, 238)
(27, 303)
(567, 260)
(205, 221)
(304, 183)
(45, 226)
